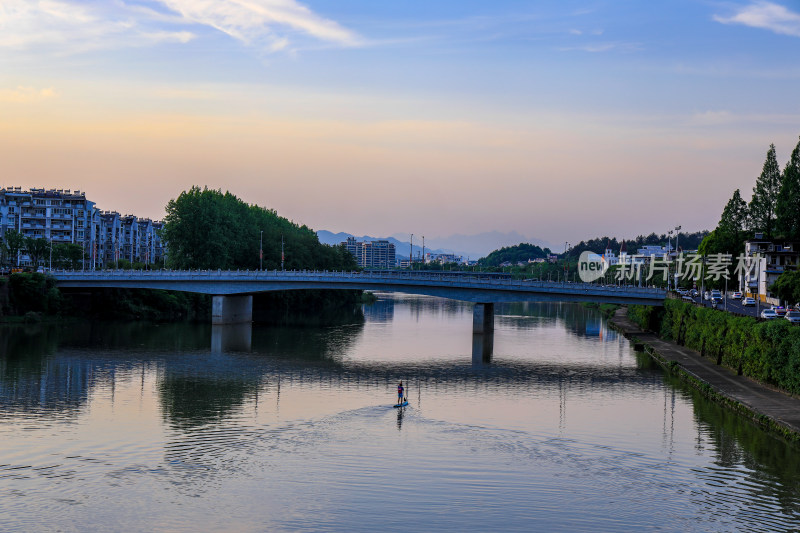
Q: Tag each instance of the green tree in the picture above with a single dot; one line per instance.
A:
(787, 287)
(13, 243)
(765, 195)
(67, 255)
(205, 228)
(787, 209)
(37, 249)
(731, 231)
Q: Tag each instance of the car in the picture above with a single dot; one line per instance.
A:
(748, 302)
(694, 293)
(793, 316)
(769, 314)
(705, 296)
(736, 295)
(779, 310)
(682, 292)
(687, 298)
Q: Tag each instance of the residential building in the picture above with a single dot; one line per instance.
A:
(371, 254)
(764, 261)
(67, 217)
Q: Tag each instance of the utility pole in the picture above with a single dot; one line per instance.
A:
(282, 253)
(411, 254)
(423, 250)
(261, 251)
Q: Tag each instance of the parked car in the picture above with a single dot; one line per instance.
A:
(769, 314)
(736, 295)
(749, 302)
(779, 310)
(793, 316)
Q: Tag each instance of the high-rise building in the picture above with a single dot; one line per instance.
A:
(371, 254)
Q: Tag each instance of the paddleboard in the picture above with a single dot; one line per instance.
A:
(401, 404)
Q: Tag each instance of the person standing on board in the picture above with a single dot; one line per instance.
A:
(400, 393)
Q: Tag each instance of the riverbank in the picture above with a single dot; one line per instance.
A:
(771, 409)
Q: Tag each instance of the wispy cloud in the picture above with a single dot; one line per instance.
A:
(70, 26)
(22, 95)
(258, 21)
(603, 47)
(765, 15)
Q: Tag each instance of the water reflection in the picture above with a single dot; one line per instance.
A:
(231, 338)
(230, 401)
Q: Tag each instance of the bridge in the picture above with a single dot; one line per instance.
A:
(233, 290)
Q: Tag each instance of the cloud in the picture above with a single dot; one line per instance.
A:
(765, 15)
(70, 26)
(603, 47)
(257, 21)
(26, 94)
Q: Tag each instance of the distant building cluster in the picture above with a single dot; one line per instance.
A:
(371, 254)
(67, 217)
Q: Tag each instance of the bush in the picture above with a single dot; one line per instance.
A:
(766, 351)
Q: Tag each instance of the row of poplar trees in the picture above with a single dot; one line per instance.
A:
(773, 210)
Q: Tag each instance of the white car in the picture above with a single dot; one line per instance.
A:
(793, 316)
(736, 295)
(748, 302)
(769, 314)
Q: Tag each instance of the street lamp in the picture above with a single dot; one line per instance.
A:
(411, 253)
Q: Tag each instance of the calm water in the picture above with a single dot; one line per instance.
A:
(184, 428)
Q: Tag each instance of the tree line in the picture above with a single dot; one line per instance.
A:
(40, 251)
(208, 229)
(774, 208)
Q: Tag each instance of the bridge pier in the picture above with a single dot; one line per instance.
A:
(483, 318)
(232, 309)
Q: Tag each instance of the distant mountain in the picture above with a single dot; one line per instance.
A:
(468, 246)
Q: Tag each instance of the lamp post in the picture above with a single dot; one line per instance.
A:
(261, 251)
(669, 251)
(411, 254)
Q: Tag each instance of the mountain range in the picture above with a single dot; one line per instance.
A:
(468, 246)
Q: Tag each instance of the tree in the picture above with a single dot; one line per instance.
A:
(787, 209)
(765, 195)
(208, 229)
(787, 287)
(731, 231)
(14, 243)
(37, 249)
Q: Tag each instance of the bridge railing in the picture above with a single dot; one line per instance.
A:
(463, 280)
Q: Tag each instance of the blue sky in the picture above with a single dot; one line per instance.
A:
(560, 120)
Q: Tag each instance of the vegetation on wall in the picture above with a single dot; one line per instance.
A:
(765, 351)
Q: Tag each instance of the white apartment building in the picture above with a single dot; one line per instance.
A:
(67, 217)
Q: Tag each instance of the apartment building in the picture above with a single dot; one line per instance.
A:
(371, 254)
(68, 217)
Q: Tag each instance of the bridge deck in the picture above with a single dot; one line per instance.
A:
(473, 288)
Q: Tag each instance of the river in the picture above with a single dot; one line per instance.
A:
(561, 426)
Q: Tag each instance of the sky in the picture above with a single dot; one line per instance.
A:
(560, 120)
